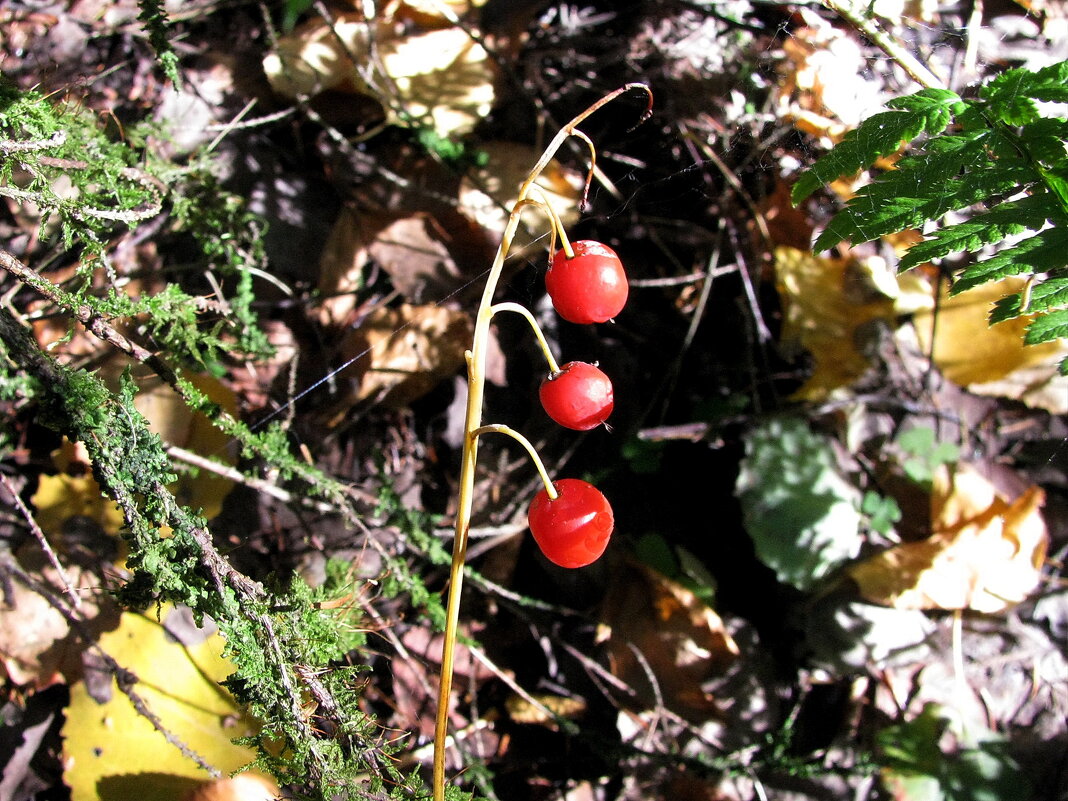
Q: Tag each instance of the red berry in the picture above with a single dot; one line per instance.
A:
(573, 530)
(579, 396)
(590, 287)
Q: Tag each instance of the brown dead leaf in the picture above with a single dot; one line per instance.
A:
(411, 248)
(678, 637)
(242, 787)
(826, 301)
(824, 89)
(432, 13)
(402, 353)
(985, 553)
(993, 360)
(37, 645)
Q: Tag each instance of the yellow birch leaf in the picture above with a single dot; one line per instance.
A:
(112, 753)
(825, 302)
(169, 416)
(60, 497)
(993, 359)
(985, 553)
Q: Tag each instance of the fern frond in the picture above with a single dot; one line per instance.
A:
(1049, 294)
(1048, 327)
(1002, 221)
(924, 188)
(1012, 93)
(1045, 251)
(1004, 163)
(928, 111)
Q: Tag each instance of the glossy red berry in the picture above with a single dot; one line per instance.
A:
(573, 530)
(579, 396)
(590, 287)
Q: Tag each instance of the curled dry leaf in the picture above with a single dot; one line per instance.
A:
(992, 359)
(433, 13)
(985, 553)
(488, 194)
(402, 353)
(37, 645)
(411, 249)
(825, 90)
(243, 787)
(655, 624)
(441, 79)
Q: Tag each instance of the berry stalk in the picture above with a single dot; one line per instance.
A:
(476, 382)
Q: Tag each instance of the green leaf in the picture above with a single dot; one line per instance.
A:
(1049, 294)
(1004, 220)
(1047, 327)
(1007, 97)
(1049, 84)
(924, 454)
(1047, 250)
(801, 513)
(916, 769)
(928, 111)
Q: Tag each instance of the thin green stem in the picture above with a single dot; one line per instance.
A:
(525, 312)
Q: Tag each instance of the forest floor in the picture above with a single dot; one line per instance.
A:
(778, 419)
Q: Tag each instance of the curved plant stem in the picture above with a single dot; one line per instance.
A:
(476, 381)
(498, 428)
(525, 312)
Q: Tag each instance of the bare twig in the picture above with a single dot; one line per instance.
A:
(125, 679)
(42, 540)
(857, 17)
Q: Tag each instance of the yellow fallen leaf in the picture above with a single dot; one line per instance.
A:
(985, 553)
(61, 497)
(112, 753)
(993, 360)
(825, 302)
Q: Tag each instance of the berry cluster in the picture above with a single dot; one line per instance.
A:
(589, 286)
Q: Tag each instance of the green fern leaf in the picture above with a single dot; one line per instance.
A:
(1044, 139)
(1005, 94)
(1044, 296)
(1045, 251)
(928, 111)
(910, 196)
(1004, 220)
(1048, 327)
(1004, 164)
